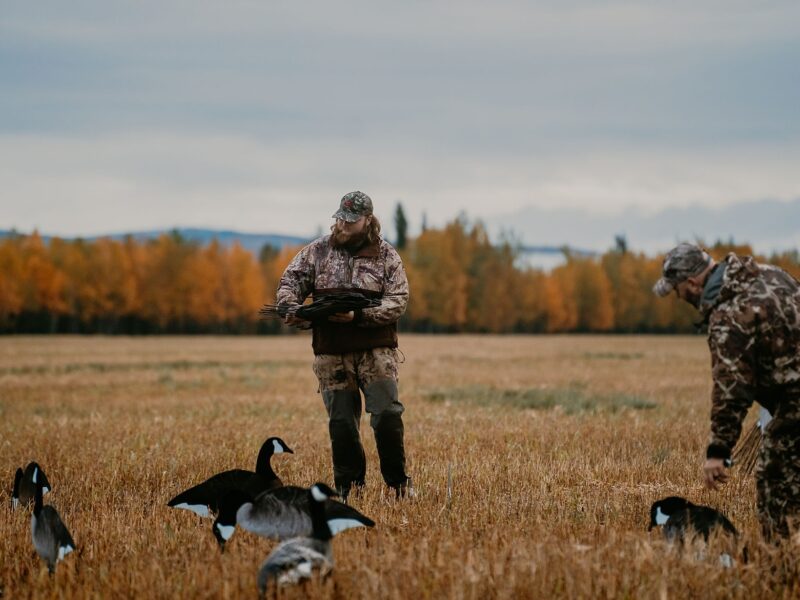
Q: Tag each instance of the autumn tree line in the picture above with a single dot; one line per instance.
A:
(460, 282)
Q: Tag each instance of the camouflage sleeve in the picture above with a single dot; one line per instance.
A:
(297, 281)
(731, 339)
(395, 295)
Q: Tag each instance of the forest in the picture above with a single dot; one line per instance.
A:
(460, 282)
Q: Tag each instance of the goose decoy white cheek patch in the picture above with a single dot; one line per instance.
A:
(277, 448)
(318, 495)
(661, 518)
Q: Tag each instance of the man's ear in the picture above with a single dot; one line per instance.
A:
(696, 282)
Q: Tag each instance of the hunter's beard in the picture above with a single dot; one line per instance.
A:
(693, 299)
(349, 241)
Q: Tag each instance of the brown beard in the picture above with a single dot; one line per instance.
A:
(348, 241)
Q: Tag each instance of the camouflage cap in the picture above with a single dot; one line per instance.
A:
(681, 263)
(353, 206)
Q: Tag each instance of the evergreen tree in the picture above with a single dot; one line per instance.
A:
(401, 224)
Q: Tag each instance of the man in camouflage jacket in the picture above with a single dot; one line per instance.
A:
(356, 350)
(753, 316)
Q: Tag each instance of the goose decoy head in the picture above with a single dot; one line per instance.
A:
(222, 533)
(321, 492)
(225, 524)
(663, 509)
(36, 474)
(278, 446)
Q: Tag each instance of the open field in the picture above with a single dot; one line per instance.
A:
(556, 445)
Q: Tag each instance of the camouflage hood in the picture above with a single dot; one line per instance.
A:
(738, 274)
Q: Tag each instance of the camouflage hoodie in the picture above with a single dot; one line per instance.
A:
(754, 338)
(375, 270)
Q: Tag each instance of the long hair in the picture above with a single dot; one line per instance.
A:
(370, 236)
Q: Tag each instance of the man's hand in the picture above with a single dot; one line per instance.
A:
(715, 473)
(294, 321)
(342, 317)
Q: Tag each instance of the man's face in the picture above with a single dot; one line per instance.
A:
(690, 291)
(350, 235)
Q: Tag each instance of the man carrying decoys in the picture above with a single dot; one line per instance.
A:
(355, 351)
(753, 316)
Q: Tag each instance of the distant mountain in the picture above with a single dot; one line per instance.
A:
(768, 225)
(250, 241)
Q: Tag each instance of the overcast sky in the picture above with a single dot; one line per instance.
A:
(258, 116)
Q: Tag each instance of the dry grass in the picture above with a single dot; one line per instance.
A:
(551, 482)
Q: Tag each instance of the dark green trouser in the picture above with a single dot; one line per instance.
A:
(778, 478)
(344, 411)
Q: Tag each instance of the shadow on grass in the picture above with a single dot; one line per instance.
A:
(572, 400)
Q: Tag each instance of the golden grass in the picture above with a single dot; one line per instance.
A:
(545, 502)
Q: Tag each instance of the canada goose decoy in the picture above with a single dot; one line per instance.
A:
(297, 559)
(680, 519)
(280, 514)
(50, 537)
(204, 498)
(24, 486)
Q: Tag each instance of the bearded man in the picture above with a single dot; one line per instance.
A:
(355, 352)
(753, 316)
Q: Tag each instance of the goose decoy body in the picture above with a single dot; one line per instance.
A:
(204, 498)
(680, 519)
(24, 486)
(282, 513)
(297, 559)
(50, 537)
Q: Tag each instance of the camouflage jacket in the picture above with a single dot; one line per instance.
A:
(375, 270)
(754, 338)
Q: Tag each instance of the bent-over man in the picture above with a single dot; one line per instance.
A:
(753, 316)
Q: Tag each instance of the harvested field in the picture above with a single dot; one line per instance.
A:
(555, 446)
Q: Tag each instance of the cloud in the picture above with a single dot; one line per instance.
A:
(240, 114)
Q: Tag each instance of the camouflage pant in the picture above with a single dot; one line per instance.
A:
(778, 477)
(341, 379)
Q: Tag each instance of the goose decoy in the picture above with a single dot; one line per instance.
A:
(50, 537)
(280, 514)
(680, 519)
(297, 559)
(204, 498)
(24, 486)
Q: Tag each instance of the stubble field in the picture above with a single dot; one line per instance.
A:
(554, 448)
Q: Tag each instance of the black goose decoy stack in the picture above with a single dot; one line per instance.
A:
(204, 499)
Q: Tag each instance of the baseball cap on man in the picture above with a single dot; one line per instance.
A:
(681, 263)
(353, 206)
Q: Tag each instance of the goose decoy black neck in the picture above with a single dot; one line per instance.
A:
(38, 492)
(319, 493)
(273, 445)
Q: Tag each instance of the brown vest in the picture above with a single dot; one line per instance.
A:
(341, 338)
